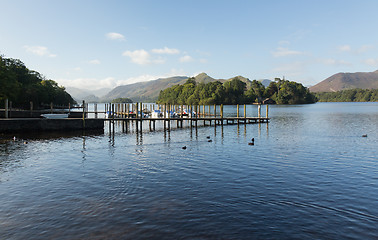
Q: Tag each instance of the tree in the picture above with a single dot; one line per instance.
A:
(122, 100)
(21, 85)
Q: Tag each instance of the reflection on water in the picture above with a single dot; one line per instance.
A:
(310, 175)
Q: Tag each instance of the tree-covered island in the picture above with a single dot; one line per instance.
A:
(21, 86)
(235, 91)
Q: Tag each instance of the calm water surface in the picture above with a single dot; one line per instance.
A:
(310, 175)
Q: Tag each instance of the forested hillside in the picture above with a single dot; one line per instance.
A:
(20, 85)
(352, 95)
(235, 92)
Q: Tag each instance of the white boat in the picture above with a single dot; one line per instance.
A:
(55, 115)
(156, 114)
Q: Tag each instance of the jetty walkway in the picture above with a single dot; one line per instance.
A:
(136, 115)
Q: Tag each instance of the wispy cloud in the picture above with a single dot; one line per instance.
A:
(142, 57)
(371, 62)
(186, 58)
(344, 48)
(283, 52)
(39, 51)
(165, 50)
(88, 83)
(289, 69)
(365, 48)
(111, 82)
(115, 36)
(94, 62)
(331, 61)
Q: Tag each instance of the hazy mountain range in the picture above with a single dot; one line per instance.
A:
(344, 81)
(144, 91)
(149, 91)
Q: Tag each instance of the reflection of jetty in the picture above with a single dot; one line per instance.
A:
(134, 115)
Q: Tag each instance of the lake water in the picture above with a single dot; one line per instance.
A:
(310, 175)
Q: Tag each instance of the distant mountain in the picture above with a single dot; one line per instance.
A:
(143, 91)
(265, 82)
(149, 91)
(204, 78)
(87, 95)
(344, 81)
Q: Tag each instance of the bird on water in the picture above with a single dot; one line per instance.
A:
(365, 135)
(184, 147)
(252, 142)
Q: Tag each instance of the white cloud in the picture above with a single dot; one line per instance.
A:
(138, 56)
(364, 48)
(88, 83)
(95, 61)
(115, 36)
(289, 69)
(331, 61)
(110, 82)
(345, 48)
(371, 62)
(142, 57)
(283, 52)
(284, 42)
(165, 50)
(186, 58)
(40, 51)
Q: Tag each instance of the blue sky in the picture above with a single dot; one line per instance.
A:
(95, 44)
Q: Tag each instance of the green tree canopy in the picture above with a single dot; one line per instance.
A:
(122, 100)
(351, 95)
(235, 92)
(21, 86)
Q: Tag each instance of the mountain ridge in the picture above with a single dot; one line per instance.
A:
(149, 91)
(344, 81)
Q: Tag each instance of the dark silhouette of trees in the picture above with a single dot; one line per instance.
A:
(21, 86)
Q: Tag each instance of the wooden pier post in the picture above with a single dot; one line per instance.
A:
(237, 111)
(245, 111)
(221, 112)
(141, 117)
(259, 111)
(215, 115)
(267, 110)
(51, 107)
(95, 108)
(83, 114)
(31, 108)
(6, 108)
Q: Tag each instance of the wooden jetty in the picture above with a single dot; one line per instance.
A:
(136, 114)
